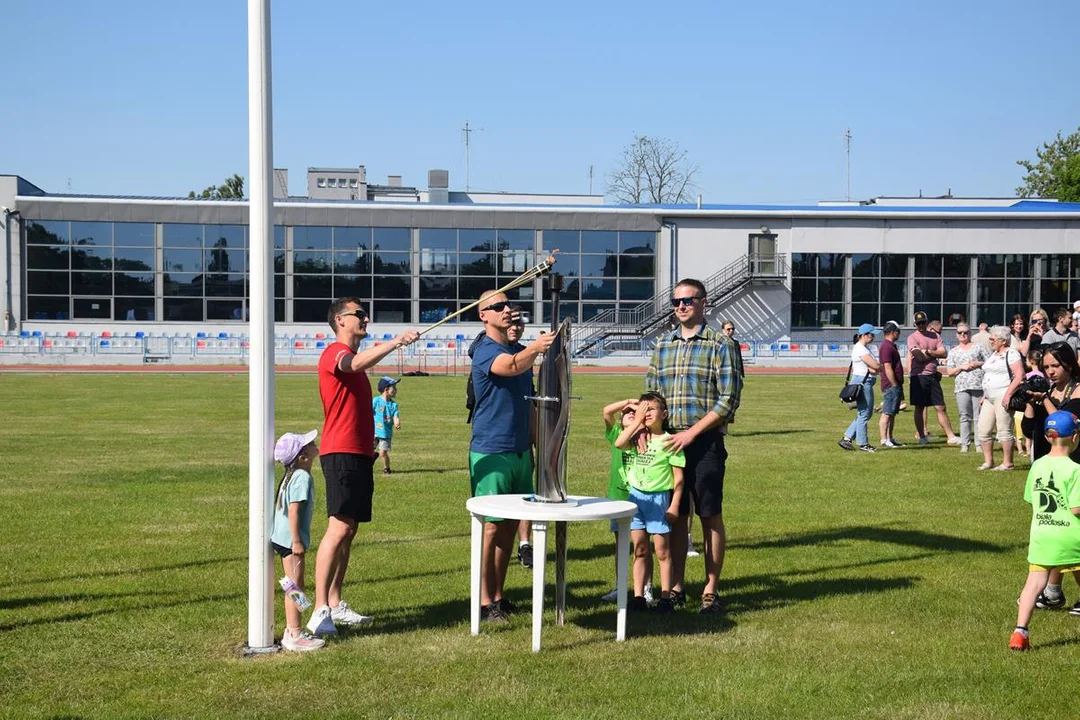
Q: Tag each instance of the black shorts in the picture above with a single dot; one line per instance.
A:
(281, 550)
(350, 485)
(703, 476)
(926, 391)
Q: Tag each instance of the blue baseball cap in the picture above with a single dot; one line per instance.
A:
(868, 328)
(386, 381)
(1061, 424)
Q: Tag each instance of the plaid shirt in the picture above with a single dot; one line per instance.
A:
(696, 375)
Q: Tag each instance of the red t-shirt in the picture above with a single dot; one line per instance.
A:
(346, 400)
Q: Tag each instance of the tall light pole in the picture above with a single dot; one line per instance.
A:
(847, 147)
(261, 331)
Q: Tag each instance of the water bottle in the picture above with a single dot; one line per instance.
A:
(295, 593)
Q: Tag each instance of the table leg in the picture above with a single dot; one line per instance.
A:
(560, 572)
(539, 531)
(474, 576)
(622, 540)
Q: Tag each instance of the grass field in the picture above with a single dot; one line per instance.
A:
(878, 586)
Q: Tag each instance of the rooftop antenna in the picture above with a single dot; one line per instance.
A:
(590, 179)
(467, 131)
(847, 146)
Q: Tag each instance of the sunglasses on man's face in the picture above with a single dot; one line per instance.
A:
(679, 301)
(497, 307)
(358, 313)
(963, 332)
(1037, 321)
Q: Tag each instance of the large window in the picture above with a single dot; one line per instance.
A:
(83, 271)
(1060, 284)
(602, 270)
(1005, 287)
(941, 286)
(817, 289)
(878, 289)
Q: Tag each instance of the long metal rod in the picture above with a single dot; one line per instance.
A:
(526, 277)
(261, 332)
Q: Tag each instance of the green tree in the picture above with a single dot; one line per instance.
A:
(232, 188)
(1057, 172)
(653, 170)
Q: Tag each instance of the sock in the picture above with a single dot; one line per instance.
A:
(523, 544)
(1022, 630)
(1052, 591)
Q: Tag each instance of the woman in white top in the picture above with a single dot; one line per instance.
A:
(1003, 372)
(864, 369)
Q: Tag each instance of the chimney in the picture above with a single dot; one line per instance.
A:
(438, 186)
(393, 180)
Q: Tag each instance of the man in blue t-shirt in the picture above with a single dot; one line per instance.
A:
(499, 459)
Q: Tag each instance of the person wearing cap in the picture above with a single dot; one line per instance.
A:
(1053, 490)
(694, 369)
(290, 533)
(864, 369)
(892, 383)
(387, 418)
(925, 348)
(348, 453)
(964, 364)
(500, 451)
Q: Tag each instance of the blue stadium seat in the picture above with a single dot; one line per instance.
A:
(36, 333)
(105, 343)
(223, 336)
(140, 334)
(200, 335)
(24, 333)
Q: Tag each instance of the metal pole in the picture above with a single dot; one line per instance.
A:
(261, 332)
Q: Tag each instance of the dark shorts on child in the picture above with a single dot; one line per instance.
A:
(890, 400)
(281, 550)
(926, 391)
(703, 476)
(350, 485)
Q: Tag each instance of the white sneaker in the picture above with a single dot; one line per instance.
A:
(611, 596)
(965, 448)
(345, 615)
(648, 593)
(954, 440)
(320, 622)
(691, 551)
(302, 641)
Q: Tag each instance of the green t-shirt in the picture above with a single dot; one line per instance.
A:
(650, 471)
(1053, 486)
(617, 488)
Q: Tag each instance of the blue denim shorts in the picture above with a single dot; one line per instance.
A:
(891, 399)
(651, 507)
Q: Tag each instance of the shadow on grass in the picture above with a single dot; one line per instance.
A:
(757, 433)
(896, 536)
(90, 575)
(85, 615)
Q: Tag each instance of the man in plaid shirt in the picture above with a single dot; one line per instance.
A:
(694, 368)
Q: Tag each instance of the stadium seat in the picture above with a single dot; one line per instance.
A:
(104, 343)
(140, 334)
(48, 343)
(106, 334)
(36, 333)
(451, 345)
(320, 336)
(431, 345)
(24, 333)
(201, 344)
(72, 333)
(200, 335)
(387, 336)
(223, 336)
(320, 343)
(298, 344)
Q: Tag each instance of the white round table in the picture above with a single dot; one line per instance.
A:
(517, 507)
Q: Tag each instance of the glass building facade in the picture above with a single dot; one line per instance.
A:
(846, 290)
(189, 272)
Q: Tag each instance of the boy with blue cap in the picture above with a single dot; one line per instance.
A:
(387, 418)
(1053, 489)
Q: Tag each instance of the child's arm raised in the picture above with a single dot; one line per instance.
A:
(625, 439)
(672, 513)
(613, 412)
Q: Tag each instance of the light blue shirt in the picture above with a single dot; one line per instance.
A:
(299, 489)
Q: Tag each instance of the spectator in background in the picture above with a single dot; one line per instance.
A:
(982, 337)
(1062, 330)
(864, 370)
(1038, 324)
(934, 326)
(1003, 372)
(728, 329)
(1018, 332)
(925, 348)
(892, 384)
(964, 365)
(1076, 311)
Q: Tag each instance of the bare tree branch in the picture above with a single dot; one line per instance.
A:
(653, 170)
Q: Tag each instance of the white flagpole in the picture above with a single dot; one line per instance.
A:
(261, 332)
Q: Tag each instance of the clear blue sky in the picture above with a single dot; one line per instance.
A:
(150, 97)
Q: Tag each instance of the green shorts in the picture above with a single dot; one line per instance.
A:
(507, 473)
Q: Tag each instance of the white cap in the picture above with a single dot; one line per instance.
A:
(289, 445)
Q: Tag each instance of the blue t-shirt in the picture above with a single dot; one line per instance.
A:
(385, 411)
(300, 489)
(503, 412)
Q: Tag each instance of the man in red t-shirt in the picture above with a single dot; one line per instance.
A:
(347, 454)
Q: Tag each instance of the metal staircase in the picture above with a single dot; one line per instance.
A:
(628, 327)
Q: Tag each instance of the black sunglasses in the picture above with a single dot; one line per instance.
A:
(357, 313)
(497, 307)
(676, 302)
(1037, 321)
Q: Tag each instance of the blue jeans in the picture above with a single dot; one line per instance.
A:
(857, 429)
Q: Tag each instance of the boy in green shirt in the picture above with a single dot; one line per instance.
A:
(1053, 489)
(655, 478)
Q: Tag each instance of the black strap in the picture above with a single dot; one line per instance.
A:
(849, 367)
(1065, 397)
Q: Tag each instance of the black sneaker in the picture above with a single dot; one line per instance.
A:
(525, 555)
(710, 604)
(846, 444)
(508, 608)
(637, 604)
(1044, 603)
(664, 607)
(493, 614)
(678, 598)
(867, 448)
(1075, 609)
(386, 471)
